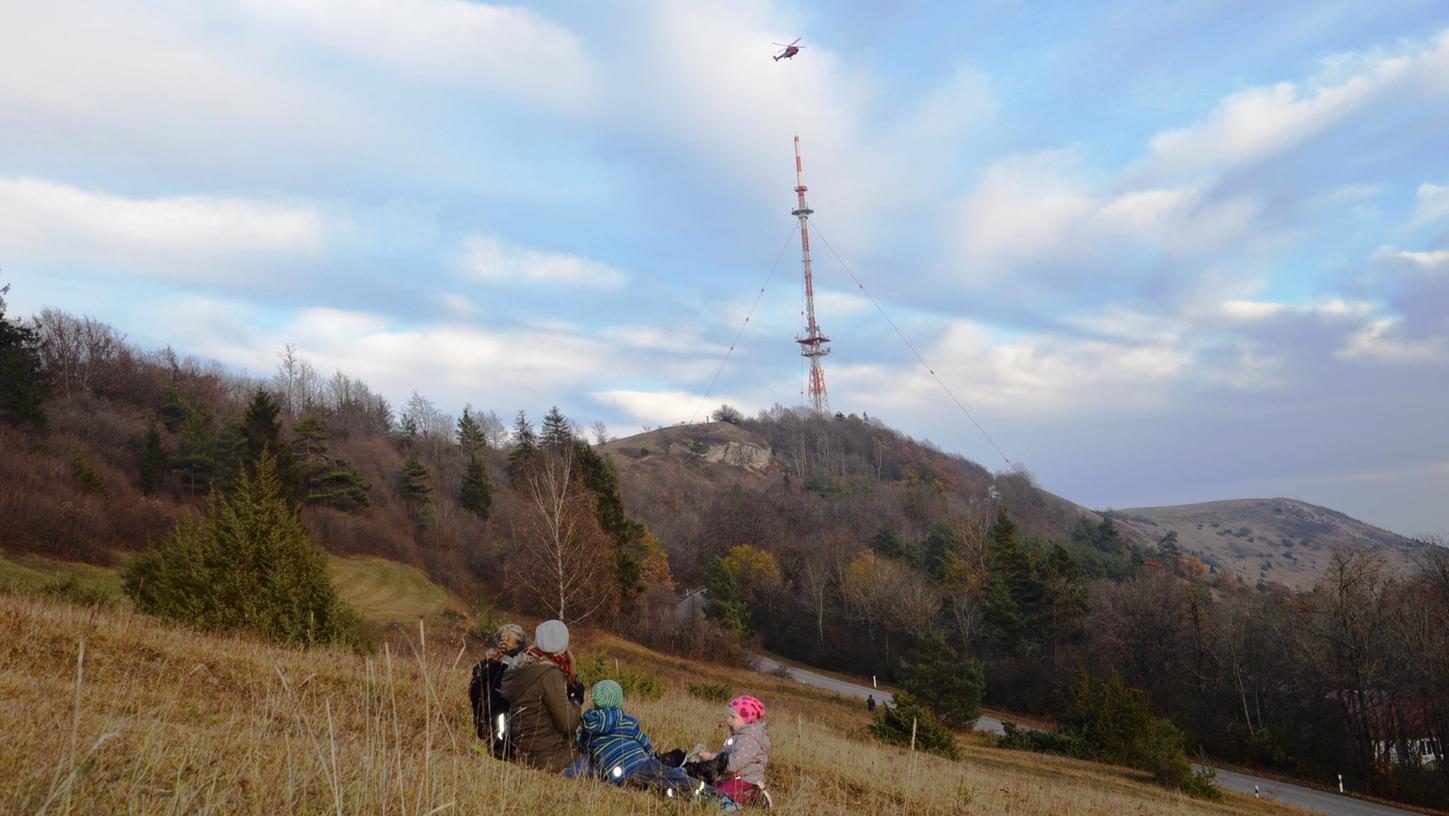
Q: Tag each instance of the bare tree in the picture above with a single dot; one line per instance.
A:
(601, 432)
(563, 563)
(495, 433)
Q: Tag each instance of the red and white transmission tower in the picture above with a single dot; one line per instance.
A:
(813, 344)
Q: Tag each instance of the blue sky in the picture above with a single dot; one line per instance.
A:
(1165, 252)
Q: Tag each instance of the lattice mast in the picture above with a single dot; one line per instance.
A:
(813, 344)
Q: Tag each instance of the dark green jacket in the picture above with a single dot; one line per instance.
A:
(542, 720)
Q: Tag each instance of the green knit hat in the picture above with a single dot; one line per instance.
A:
(607, 694)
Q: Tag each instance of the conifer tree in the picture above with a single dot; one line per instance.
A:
(200, 452)
(246, 565)
(261, 431)
(525, 445)
(24, 383)
(943, 682)
(476, 494)
(556, 433)
(153, 461)
(470, 434)
(600, 477)
(416, 491)
(327, 480)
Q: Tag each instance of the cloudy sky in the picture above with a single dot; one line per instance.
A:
(1164, 251)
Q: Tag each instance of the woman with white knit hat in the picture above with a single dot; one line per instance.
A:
(543, 714)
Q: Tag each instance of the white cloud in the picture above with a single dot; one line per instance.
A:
(1038, 212)
(1431, 204)
(661, 407)
(501, 48)
(497, 261)
(1378, 341)
(43, 220)
(1260, 122)
(1428, 260)
(122, 82)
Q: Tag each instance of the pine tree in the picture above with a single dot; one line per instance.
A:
(556, 433)
(24, 383)
(943, 682)
(476, 494)
(630, 550)
(200, 453)
(261, 432)
(722, 597)
(525, 445)
(327, 480)
(247, 565)
(416, 490)
(470, 435)
(153, 461)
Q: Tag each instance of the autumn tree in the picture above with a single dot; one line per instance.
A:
(563, 567)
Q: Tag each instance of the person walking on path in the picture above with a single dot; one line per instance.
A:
(540, 688)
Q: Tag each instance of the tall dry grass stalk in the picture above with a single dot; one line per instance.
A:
(178, 722)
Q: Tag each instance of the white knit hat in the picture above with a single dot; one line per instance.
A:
(551, 636)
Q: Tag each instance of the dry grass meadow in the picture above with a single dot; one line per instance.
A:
(107, 711)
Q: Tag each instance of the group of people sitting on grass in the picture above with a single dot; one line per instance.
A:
(528, 707)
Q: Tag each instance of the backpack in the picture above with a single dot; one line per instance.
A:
(494, 733)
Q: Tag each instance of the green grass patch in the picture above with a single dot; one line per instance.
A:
(384, 591)
(84, 583)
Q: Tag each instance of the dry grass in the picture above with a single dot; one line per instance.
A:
(106, 711)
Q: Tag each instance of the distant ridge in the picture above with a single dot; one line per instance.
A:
(1277, 540)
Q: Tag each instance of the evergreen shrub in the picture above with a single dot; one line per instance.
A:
(893, 725)
(245, 566)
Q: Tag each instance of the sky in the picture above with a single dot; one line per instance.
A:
(1164, 252)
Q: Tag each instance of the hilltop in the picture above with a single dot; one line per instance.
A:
(1276, 540)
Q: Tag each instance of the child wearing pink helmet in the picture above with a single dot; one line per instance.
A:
(748, 749)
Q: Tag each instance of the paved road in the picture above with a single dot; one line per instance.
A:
(1331, 804)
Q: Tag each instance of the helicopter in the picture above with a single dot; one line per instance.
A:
(790, 50)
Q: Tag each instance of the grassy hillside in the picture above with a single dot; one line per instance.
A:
(1277, 540)
(108, 711)
(386, 591)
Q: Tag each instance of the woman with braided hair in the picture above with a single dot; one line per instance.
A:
(490, 709)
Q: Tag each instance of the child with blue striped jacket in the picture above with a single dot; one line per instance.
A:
(616, 749)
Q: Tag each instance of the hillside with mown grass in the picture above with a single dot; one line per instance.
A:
(107, 711)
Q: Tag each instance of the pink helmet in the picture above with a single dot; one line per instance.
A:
(748, 708)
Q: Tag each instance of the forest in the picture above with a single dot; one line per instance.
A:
(855, 549)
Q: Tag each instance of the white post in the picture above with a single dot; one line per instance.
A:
(1340, 783)
(1256, 793)
(872, 682)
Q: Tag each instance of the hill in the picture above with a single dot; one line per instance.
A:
(160, 720)
(1277, 540)
(800, 480)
